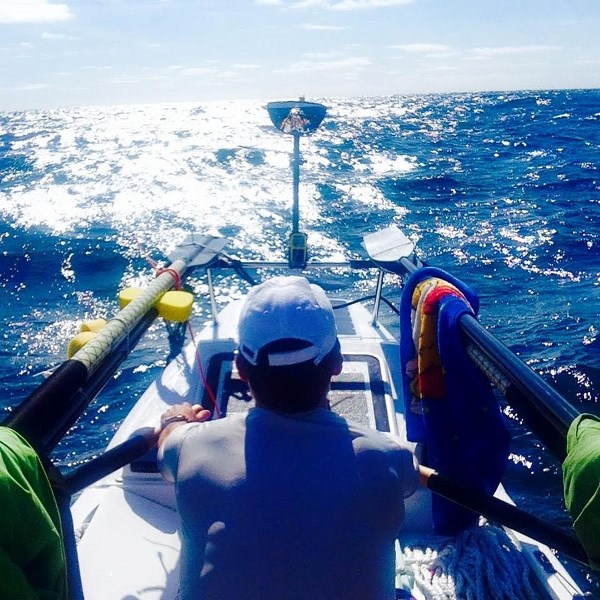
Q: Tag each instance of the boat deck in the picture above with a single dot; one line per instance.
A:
(131, 514)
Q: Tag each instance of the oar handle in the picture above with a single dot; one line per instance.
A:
(141, 442)
(502, 512)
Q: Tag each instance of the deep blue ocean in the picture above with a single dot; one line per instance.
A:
(500, 189)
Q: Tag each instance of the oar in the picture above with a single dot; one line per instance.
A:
(506, 514)
(47, 414)
(388, 248)
(546, 412)
(391, 249)
(136, 446)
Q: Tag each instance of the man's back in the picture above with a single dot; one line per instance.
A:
(294, 506)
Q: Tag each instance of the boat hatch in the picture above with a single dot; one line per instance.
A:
(357, 393)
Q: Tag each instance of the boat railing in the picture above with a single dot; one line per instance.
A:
(242, 267)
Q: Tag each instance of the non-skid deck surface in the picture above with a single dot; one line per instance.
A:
(357, 394)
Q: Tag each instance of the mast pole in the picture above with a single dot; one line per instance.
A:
(296, 184)
(296, 118)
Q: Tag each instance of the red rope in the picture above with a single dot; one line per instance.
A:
(145, 255)
(160, 270)
(173, 273)
(209, 391)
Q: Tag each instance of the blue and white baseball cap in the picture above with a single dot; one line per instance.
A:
(287, 308)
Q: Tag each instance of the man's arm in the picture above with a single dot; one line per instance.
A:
(180, 414)
(172, 420)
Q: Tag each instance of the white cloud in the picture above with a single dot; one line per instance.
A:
(33, 11)
(340, 5)
(311, 4)
(245, 66)
(443, 68)
(340, 64)
(314, 27)
(31, 87)
(322, 56)
(423, 48)
(198, 71)
(481, 53)
(57, 36)
(510, 50)
(587, 61)
(366, 4)
(227, 74)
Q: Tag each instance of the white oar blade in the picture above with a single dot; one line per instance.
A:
(211, 246)
(388, 245)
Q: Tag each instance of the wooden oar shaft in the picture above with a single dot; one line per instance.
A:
(497, 510)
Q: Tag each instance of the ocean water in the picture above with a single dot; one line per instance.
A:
(501, 189)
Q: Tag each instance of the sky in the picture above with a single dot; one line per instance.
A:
(63, 53)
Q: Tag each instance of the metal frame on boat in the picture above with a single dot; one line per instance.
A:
(124, 541)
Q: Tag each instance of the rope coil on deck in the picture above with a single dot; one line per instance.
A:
(467, 567)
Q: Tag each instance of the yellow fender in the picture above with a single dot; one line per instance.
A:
(94, 325)
(172, 306)
(176, 306)
(87, 330)
(79, 341)
(128, 295)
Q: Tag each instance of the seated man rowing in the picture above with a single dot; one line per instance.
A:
(288, 501)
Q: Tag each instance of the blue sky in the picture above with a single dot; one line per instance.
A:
(87, 52)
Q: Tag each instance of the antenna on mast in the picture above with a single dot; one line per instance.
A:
(296, 118)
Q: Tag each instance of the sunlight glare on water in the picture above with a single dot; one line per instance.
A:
(501, 190)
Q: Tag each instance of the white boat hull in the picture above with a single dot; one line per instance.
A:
(127, 523)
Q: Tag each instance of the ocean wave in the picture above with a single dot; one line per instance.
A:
(579, 184)
(494, 186)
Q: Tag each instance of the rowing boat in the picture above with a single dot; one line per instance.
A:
(124, 540)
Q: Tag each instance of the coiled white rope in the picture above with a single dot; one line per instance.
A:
(481, 563)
